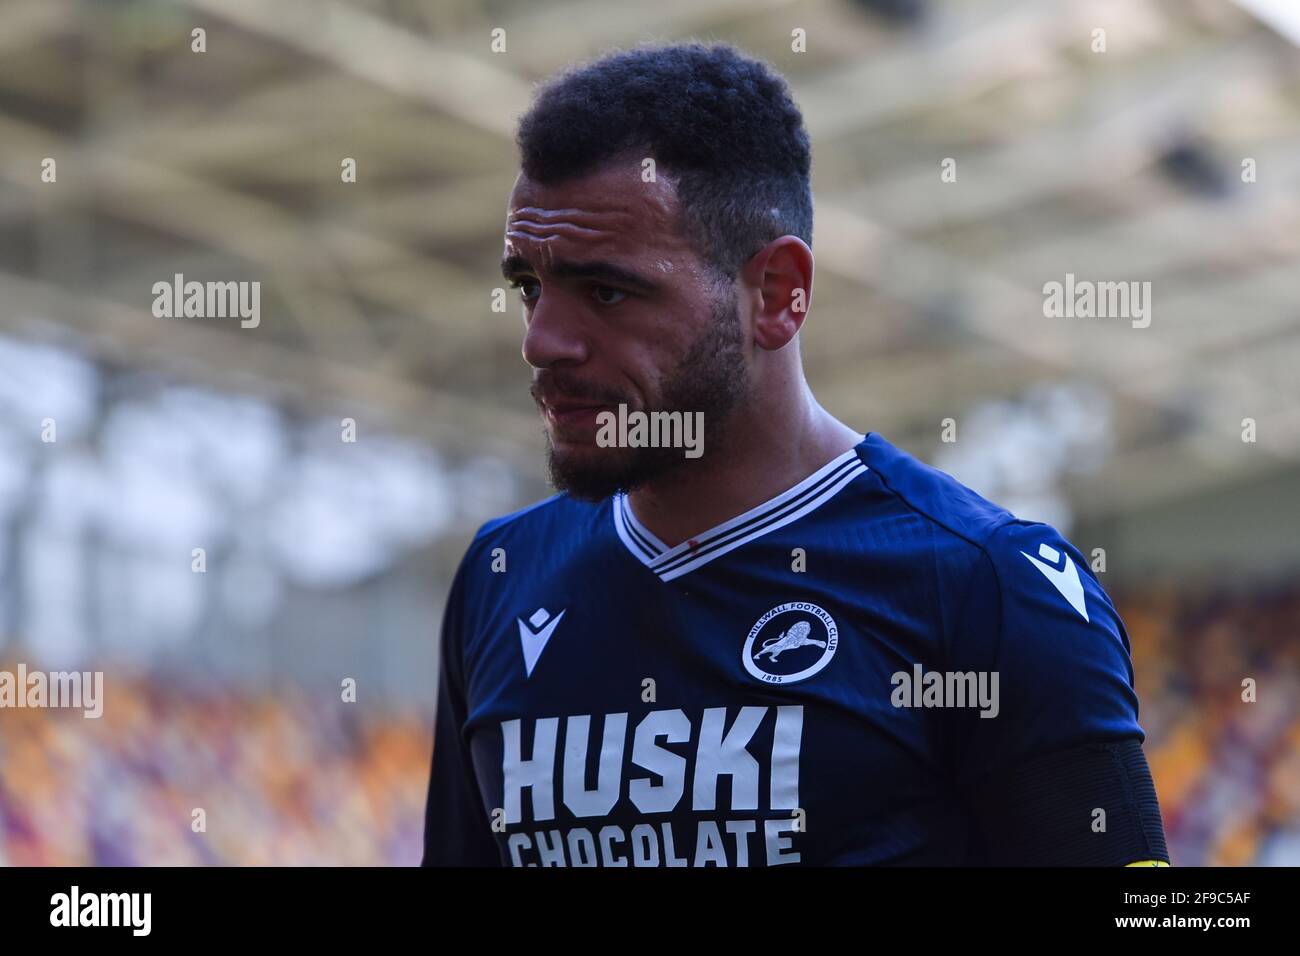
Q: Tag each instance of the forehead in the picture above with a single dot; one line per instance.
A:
(610, 210)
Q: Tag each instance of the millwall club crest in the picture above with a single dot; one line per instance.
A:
(790, 643)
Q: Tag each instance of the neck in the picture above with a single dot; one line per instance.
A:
(765, 452)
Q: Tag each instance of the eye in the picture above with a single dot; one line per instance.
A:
(528, 288)
(607, 295)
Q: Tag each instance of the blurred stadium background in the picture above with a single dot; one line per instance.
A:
(329, 560)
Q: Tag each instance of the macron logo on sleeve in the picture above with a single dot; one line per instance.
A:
(1063, 573)
(534, 635)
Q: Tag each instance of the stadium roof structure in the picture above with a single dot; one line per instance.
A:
(1124, 165)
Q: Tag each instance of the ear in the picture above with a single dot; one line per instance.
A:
(778, 278)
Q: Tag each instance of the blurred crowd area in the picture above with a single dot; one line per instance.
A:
(1227, 770)
(283, 780)
(299, 780)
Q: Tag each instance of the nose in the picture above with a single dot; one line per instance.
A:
(553, 335)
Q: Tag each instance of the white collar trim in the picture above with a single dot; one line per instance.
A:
(791, 505)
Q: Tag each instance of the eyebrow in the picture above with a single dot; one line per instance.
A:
(515, 266)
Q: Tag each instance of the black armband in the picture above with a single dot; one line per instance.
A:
(1093, 805)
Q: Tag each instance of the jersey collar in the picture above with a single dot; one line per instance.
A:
(792, 504)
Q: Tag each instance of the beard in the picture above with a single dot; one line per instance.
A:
(711, 378)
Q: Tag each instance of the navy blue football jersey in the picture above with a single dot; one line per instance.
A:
(825, 679)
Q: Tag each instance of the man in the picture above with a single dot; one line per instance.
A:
(780, 641)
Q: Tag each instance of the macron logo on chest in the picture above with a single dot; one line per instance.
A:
(1064, 578)
(534, 634)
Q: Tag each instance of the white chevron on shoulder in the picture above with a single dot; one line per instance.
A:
(534, 642)
(1065, 578)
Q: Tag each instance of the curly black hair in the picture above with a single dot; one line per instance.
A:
(723, 126)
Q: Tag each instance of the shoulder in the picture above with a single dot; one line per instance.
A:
(1031, 614)
(956, 511)
(1025, 561)
(555, 522)
(556, 512)
(538, 511)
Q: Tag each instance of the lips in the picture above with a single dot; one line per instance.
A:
(570, 414)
